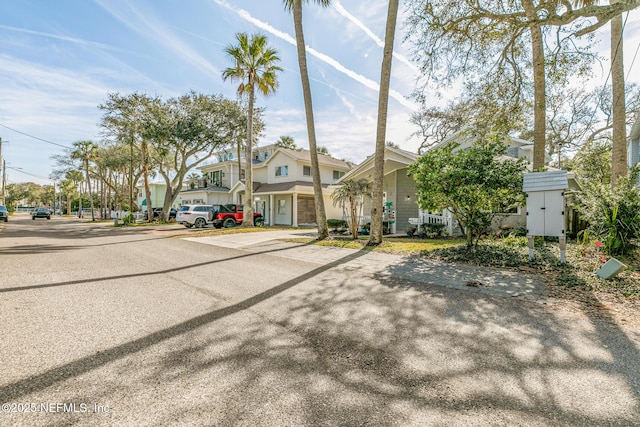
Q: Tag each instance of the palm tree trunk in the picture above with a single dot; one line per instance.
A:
(375, 238)
(145, 172)
(321, 216)
(354, 217)
(247, 215)
(86, 165)
(238, 148)
(619, 145)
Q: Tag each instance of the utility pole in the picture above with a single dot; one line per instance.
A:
(4, 180)
(4, 174)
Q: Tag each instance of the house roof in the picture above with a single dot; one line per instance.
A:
(210, 189)
(545, 181)
(288, 187)
(239, 186)
(394, 159)
(305, 156)
(465, 135)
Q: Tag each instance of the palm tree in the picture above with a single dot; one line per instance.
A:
(67, 187)
(85, 151)
(352, 193)
(375, 238)
(321, 216)
(256, 69)
(286, 142)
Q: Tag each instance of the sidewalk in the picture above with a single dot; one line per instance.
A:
(409, 270)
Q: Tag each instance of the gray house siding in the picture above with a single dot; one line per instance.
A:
(634, 152)
(406, 206)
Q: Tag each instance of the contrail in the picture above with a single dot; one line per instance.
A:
(324, 58)
(342, 11)
(58, 37)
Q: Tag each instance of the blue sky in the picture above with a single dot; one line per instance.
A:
(59, 59)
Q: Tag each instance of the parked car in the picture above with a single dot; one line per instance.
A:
(4, 213)
(231, 215)
(41, 213)
(158, 211)
(196, 215)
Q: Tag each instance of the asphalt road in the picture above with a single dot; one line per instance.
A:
(114, 326)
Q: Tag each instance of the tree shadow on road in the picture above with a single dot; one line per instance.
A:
(355, 343)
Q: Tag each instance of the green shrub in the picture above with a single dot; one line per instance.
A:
(613, 214)
(434, 229)
(336, 224)
(519, 231)
(512, 240)
(128, 219)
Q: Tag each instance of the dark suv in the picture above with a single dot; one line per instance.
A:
(158, 211)
(41, 213)
(4, 213)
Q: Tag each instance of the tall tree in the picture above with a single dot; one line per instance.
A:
(126, 118)
(619, 138)
(375, 238)
(85, 152)
(255, 67)
(295, 6)
(495, 38)
(619, 141)
(187, 131)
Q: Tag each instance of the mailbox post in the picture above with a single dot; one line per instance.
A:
(545, 207)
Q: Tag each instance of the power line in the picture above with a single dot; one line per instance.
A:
(633, 61)
(26, 173)
(34, 137)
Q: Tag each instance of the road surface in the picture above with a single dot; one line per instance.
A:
(135, 326)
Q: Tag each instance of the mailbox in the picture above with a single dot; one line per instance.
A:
(545, 207)
(545, 202)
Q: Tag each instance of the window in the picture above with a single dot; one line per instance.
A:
(338, 174)
(216, 178)
(282, 170)
(266, 155)
(242, 174)
(306, 170)
(281, 206)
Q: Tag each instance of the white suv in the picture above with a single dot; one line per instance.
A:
(196, 215)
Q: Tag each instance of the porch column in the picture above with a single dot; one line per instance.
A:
(294, 210)
(271, 208)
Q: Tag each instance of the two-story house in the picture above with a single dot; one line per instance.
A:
(282, 183)
(283, 187)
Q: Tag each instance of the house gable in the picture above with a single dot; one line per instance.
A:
(394, 159)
